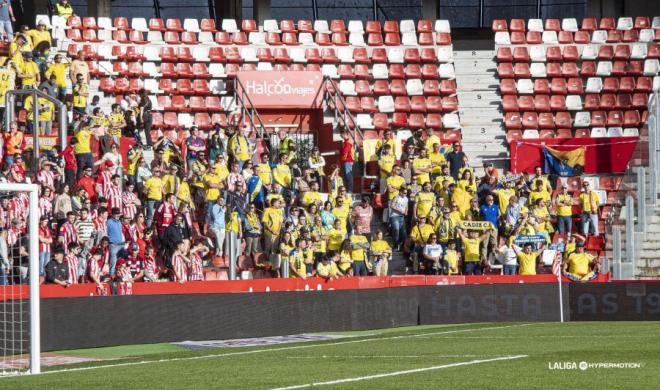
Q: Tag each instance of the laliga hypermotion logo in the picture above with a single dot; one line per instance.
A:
(276, 87)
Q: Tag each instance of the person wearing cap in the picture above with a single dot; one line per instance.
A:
(528, 259)
(419, 236)
(28, 72)
(589, 203)
(39, 37)
(57, 271)
(581, 265)
(445, 228)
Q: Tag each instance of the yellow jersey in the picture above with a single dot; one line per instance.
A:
(29, 71)
(527, 263)
(7, 79)
(503, 197)
(451, 256)
(59, 70)
(578, 263)
(282, 175)
(335, 238)
(386, 164)
(380, 246)
(421, 163)
(536, 195)
(342, 213)
(326, 271)
(265, 173)
(437, 184)
(471, 249)
(272, 219)
(37, 36)
(310, 197)
(564, 205)
(83, 138)
(358, 253)
(238, 147)
(586, 200)
(153, 187)
(211, 193)
(421, 234)
(395, 182)
(80, 93)
(423, 203)
(430, 141)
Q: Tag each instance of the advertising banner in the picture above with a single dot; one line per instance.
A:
(282, 89)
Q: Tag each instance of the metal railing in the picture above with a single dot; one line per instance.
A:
(248, 111)
(10, 114)
(333, 99)
(636, 199)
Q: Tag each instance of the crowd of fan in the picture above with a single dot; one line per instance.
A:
(113, 216)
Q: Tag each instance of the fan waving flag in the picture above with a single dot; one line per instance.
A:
(564, 162)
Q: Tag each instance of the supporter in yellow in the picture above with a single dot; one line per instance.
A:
(287, 245)
(446, 228)
(564, 207)
(386, 163)
(46, 110)
(431, 141)
(313, 196)
(213, 185)
(382, 253)
(341, 211)
(80, 95)
(39, 35)
(421, 232)
(471, 250)
(83, 140)
(467, 181)
(444, 175)
(542, 214)
(79, 66)
(272, 219)
(437, 159)
(422, 167)
(589, 200)
(117, 122)
(539, 192)
(528, 258)
(17, 47)
(359, 248)
(388, 139)
(424, 201)
(336, 236)
(461, 198)
(220, 168)
(276, 194)
(297, 266)
(63, 9)
(238, 147)
(28, 72)
(7, 83)
(451, 257)
(538, 175)
(153, 188)
(327, 269)
(579, 263)
(504, 195)
(58, 68)
(394, 183)
(282, 174)
(264, 171)
(345, 261)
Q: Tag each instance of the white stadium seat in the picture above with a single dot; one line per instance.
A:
(537, 70)
(409, 38)
(191, 25)
(347, 87)
(139, 24)
(442, 26)
(446, 71)
(598, 132)
(104, 23)
(594, 85)
(329, 70)
(345, 55)
(574, 102)
(582, 119)
(386, 104)
(380, 71)
(450, 121)
(624, 23)
(395, 55)
(599, 36)
(535, 25)
(355, 26)
(604, 68)
(407, 25)
(569, 24)
(502, 38)
(615, 131)
(321, 26)
(550, 37)
(229, 25)
(525, 86)
(414, 87)
(356, 39)
(270, 25)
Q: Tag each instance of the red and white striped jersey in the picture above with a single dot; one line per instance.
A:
(129, 208)
(114, 196)
(73, 262)
(164, 216)
(12, 236)
(45, 207)
(180, 268)
(67, 235)
(195, 268)
(130, 232)
(103, 181)
(45, 232)
(93, 269)
(101, 226)
(46, 178)
(123, 274)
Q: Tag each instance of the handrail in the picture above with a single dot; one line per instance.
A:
(251, 112)
(36, 94)
(336, 96)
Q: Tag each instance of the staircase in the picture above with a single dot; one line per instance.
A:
(484, 137)
(648, 264)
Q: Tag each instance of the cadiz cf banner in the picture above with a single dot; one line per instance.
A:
(282, 89)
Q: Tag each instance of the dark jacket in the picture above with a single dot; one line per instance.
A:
(57, 271)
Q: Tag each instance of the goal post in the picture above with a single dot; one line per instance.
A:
(14, 332)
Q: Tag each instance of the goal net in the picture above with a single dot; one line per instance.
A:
(19, 279)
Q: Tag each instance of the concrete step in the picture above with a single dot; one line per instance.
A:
(473, 54)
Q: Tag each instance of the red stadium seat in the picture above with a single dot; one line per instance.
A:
(416, 121)
(640, 100)
(627, 84)
(570, 53)
(374, 39)
(582, 37)
(212, 104)
(382, 87)
(588, 69)
(239, 38)
(518, 38)
(200, 87)
(183, 54)
(396, 71)
(207, 25)
(399, 119)
(171, 38)
(203, 120)
(588, 24)
(517, 25)
(323, 39)
(90, 36)
(373, 26)
(426, 39)
(249, 25)
(508, 87)
(345, 71)
(530, 120)
(233, 55)
(431, 88)
(121, 23)
(165, 85)
(411, 55)
(398, 87)
(442, 39)
(553, 69)
(433, 121)
(184, 87)
(363, 88)
(542, 103)
(157, 24)
(412, 71)
(606, 52)
(174, 24)
(170, 120)
(505, 70)
(288, 25)
(533, 38)
(222, 38)
(337, 25)
(520, 54)
(179, 104)
(380, 121)
(631, 118)
(107, 85)
(264, 54)
(379, 56)
(201, 71)
(392, 39)
(512, 120)
(570, 69)
(510, 103)
(339, 39)
(615, 119)
(500, 25)
(391, 26)
(189, 38)
(168, 70)
(526, 103)
(402, 104)
(273, 39)
(361, 56)
(368, 104)
(312, 55)
(362, 72)
(552, 25)
(563, 120)
(329, 55)
(607, 23)
(624, 101)
(607, 101)
(449, 104)
(521, 70)
(290, 39)
(582, 133)
(563, 133)
(553, 53)
(429, 71)
(121, 85)
(574, 85)
(282, 55)
(598, 119)
(565, 37)
(433, 104)
(591, 102)
(417, 104)
(504, 54)
(558, 103)
(217, 54)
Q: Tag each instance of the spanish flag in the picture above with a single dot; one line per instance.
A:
(564, 162)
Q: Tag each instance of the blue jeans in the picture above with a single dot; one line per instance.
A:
(359, 268)
(590, 224)
(84, 160)
(348, 175)
(510, 269)
(44, 258)
(565, 224)
(473, 268)
(398, 229)
(9, 160)
(5, 26)
(4, 280)
(114, 249)
(151, 209)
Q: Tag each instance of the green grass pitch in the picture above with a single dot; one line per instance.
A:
(464, 356)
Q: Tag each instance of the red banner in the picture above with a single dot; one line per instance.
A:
(603, 155)
(287, 89)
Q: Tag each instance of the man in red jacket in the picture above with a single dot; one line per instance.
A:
(347, 160)
(88, 183)
(70, 164)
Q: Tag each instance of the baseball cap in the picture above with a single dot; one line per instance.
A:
(579, 244)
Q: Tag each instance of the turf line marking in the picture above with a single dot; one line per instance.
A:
(404, 372)
(389, 356)
(255, 351)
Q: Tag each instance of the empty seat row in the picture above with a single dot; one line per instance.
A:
(181, 103)
(547, 103)
(122, 85)
(597, 132)
(174, 120)
(570, 24)
(637, 51)
(381, 121)
(390, 104)
(586, 69)
(559, 85)
(581, 37)
(250, 25)
(576, 86)
(563, 120)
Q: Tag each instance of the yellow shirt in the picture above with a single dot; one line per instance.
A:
(325, 271)
(116, 119)
(386, 164)
(83, 138)
(421, 163)
(80, 95)
(238, 147)
(527, 263)
(565, 210)
(59, 70)
(437, 159)
(471, 249)
(380, 246)
(357, 252)
(467, 184)
(285, 251)
(310, 197)
(282, 175)
(234, 224)
(265, 173)
(437, 184)
(452, 258)
(36, 37)
(430, 141)
(29, 71)
(586, 202)
(272, 219)
(153, 187)
(396, 182)
(342, 213)
(335, 238)
(46, 108)
(212, 194)
(503, 197)
(345, 260)
(423, 203)
(536, 195)
(7, 78)
(421, 234)
(462, 199)
(221, 171)
(446, 229)
(578, 263)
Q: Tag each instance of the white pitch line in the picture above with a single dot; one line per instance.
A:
(255, 351)
(389, 356)
(397, 373)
